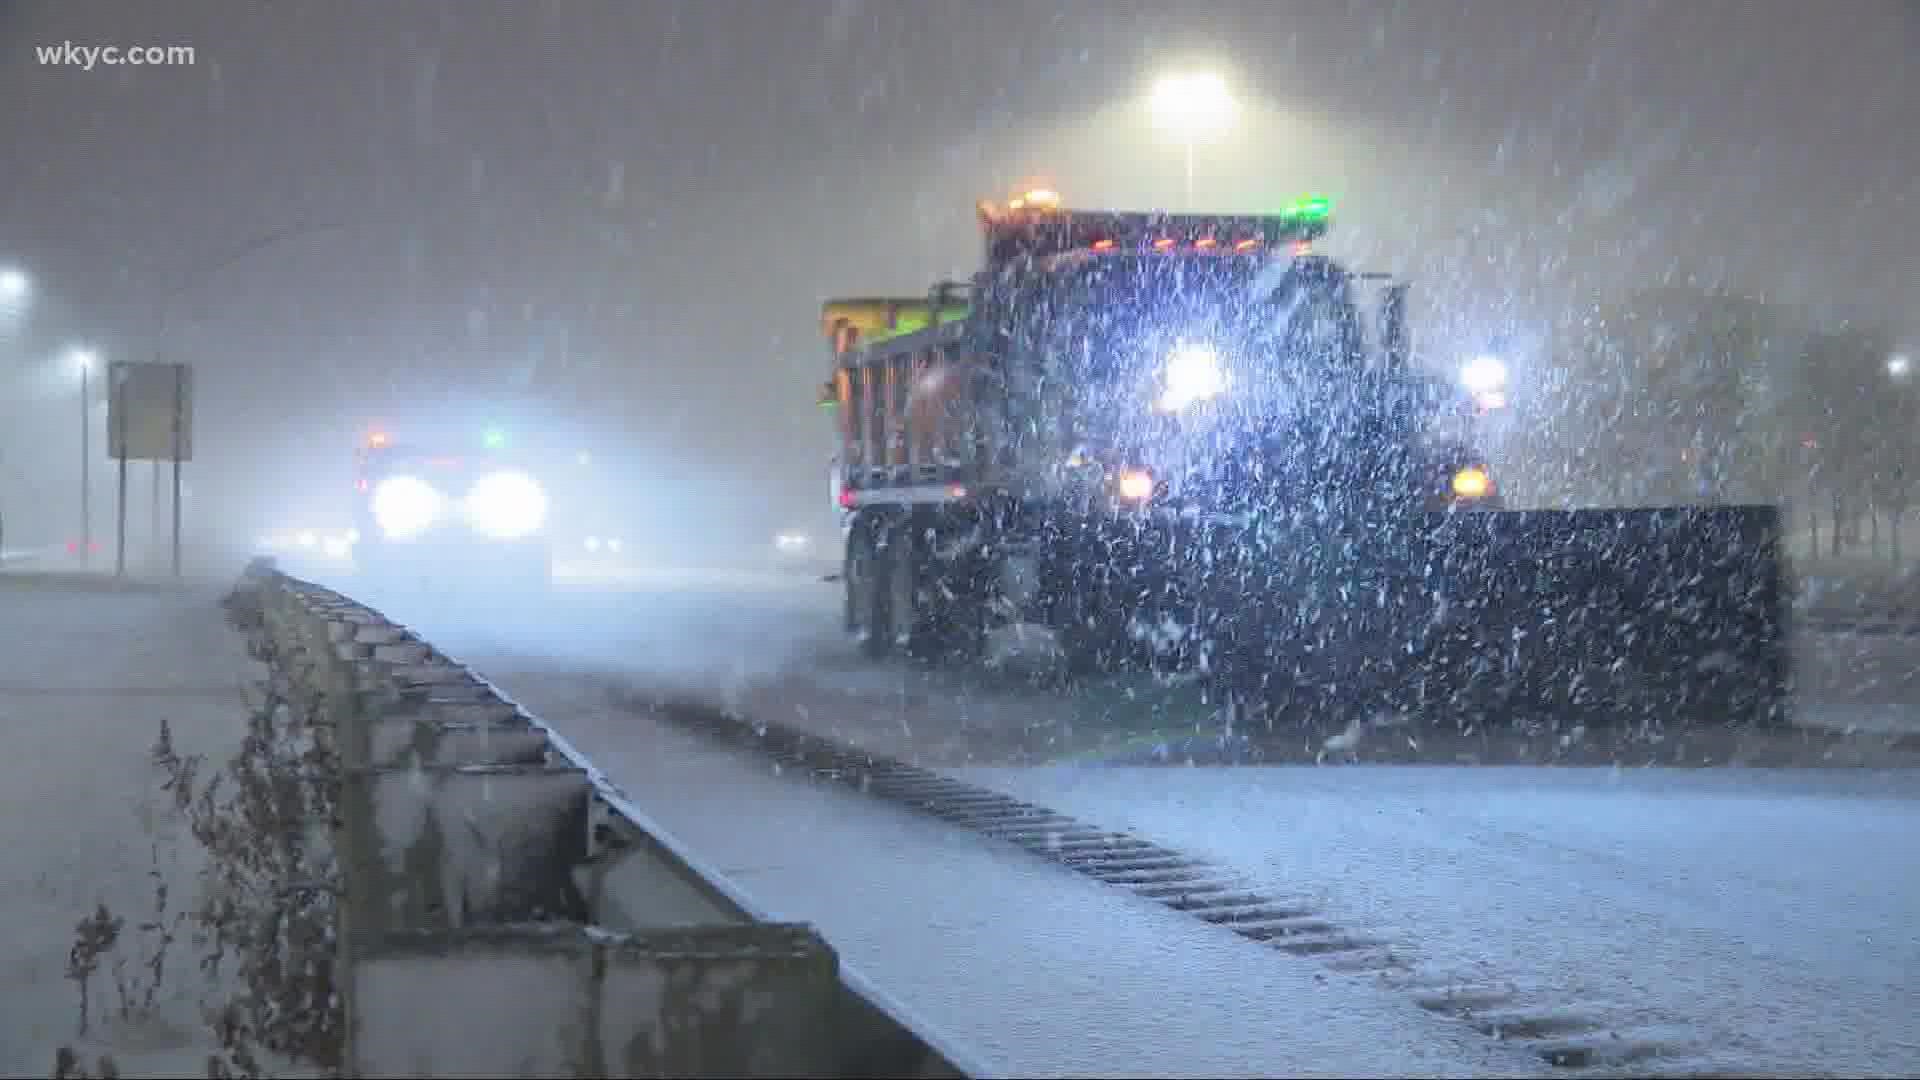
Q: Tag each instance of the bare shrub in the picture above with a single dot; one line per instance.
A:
(265, 924)
(68, 1066)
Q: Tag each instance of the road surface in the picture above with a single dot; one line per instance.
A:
(1759, 920)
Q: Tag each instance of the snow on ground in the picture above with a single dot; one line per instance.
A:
(89, 672)
(1770, 911)
(1776, 912)
(1031, 969)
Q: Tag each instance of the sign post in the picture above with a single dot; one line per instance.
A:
(150, 419)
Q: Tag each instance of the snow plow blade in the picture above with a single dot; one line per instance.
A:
(1665, 619)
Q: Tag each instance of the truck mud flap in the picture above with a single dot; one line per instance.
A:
(1661, 618)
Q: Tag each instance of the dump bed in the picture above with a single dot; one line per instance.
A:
(848, 323)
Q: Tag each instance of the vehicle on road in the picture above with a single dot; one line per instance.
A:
(451, 513)
(1189, 442)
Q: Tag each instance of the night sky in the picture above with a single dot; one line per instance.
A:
(637, 207)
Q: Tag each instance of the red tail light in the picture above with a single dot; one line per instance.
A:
(848, 499)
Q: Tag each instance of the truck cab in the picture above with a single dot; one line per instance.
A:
(469, 514)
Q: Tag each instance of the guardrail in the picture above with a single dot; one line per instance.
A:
(505, 910)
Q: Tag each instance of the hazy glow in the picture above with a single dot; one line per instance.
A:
(1190, 104)
(507, 505)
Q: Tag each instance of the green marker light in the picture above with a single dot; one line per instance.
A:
(1309, 208)
(493, 439)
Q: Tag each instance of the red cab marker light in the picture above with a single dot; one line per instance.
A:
(1248, 244)
(1103, 245)
(957, 491)
(847, 498)
(1163, 244)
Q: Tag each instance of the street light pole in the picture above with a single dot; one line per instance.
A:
(86, 464)
(1192, 106)
(192, 279)
(1189, 143)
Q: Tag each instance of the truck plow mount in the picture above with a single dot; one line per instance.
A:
(1663, 618)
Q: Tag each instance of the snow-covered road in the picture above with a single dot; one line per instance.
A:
(1029, 969)
(1774, 915)
(1767, 916)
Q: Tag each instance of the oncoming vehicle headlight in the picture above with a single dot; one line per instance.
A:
(405, 506)
(1193, 374)
(1472, 482)
(507, 505)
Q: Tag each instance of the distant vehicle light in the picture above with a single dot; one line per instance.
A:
(406, 506)
(791, 541)
(377, 440)
(1472, 482)
(307, 539)
(593, 543)
(614, 545)
(1136, 485)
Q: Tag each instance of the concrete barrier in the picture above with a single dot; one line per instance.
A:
(506, 911)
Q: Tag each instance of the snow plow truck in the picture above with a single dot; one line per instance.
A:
(1191, 443)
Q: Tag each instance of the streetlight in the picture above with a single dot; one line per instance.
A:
(1192, 106)
(84, 361)
(1899, 365)
(14, 285)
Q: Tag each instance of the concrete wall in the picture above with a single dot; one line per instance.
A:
(506, 914)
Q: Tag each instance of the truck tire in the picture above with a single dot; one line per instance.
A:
(906, 621)
(863, 572)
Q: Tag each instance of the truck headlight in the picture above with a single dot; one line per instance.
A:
(405, 506)
(1485, 377)
(507, 505)
(1136, 485)
(1193, 374)
(1472, 482)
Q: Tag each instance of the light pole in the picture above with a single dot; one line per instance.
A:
(1192, 106)
(14, 285)
(84, 360)
(185, 283)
